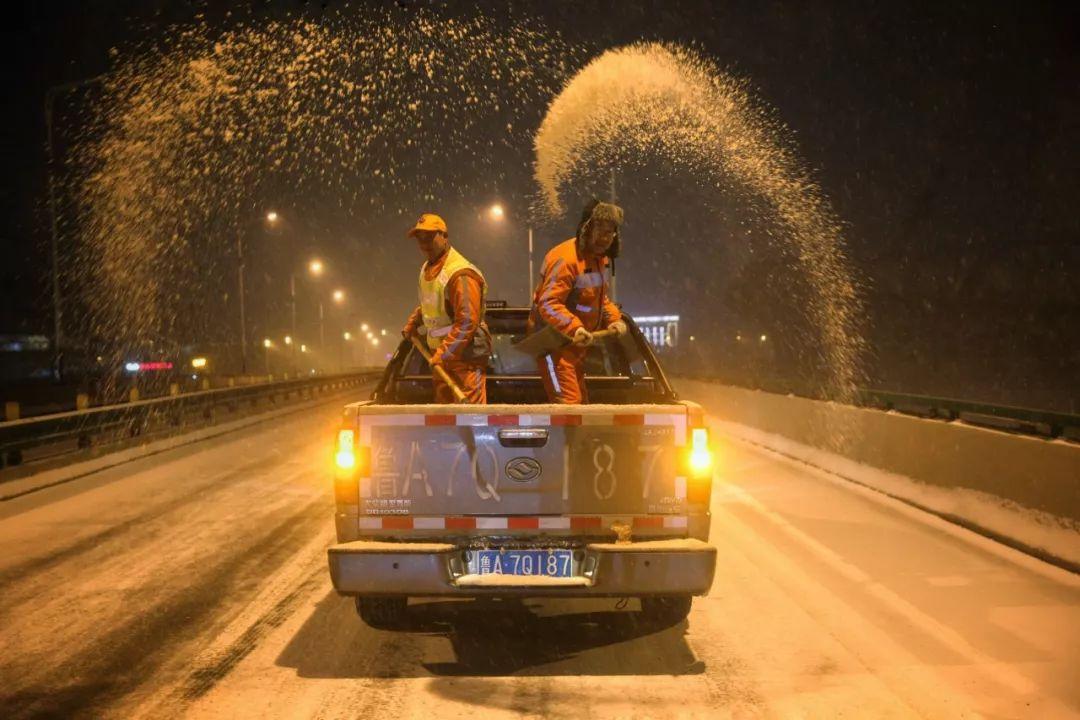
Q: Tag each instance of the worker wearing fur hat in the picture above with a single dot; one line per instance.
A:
(573, 298)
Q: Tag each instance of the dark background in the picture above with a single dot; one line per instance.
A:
(945, 136)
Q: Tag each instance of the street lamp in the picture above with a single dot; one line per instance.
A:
(288, 339)
(347, 335)
(58, 308)
(496, 213)
(383, 332)
(303, 348)
(316, 269)
(339, 296)
(363, 327)
(267, 344)
(271, 217)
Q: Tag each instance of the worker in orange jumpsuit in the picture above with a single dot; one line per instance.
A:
(573, 298)
(450, 317)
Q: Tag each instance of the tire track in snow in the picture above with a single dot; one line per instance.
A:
(126, 657)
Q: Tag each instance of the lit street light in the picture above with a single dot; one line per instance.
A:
(271, 217)
(364, 327)
(288, 339)
(303, 348)
(347, 336)
(763, 338)
(375, 342)
(496, 213)
(383, 332)
(339, 296)
(315, 267)
(267, 344)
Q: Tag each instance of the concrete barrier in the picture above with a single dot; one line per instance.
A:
(1040, 474)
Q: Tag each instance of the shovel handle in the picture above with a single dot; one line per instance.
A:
(459, 395)
(601, 334)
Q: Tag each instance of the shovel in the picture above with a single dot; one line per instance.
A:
(549, 340)
(459, 395)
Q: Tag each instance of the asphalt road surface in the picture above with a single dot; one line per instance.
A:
(193, 583)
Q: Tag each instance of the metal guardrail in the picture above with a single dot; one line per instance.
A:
(32, 440)
(1025, 421)
(1019, 420)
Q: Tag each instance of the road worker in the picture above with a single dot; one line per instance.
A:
(450, 317)
(573, 298)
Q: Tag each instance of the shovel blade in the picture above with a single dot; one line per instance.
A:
(541, 342)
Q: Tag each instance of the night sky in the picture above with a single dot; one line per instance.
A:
(945, 137)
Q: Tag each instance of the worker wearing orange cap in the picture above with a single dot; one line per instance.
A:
(573, 298)
(450, 316)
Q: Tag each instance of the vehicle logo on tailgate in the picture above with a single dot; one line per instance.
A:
(523, 469)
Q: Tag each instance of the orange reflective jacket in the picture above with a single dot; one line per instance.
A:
(464, 303)
(573, 292)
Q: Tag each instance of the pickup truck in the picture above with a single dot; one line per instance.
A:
(520, 497)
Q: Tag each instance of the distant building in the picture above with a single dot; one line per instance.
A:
(662, 331)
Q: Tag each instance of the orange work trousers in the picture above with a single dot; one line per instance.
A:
(563, 375)
(470, 377)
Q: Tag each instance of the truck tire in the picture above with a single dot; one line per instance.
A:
(382, 613)
(666, 610)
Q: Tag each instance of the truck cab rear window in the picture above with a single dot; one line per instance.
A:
(617, 371)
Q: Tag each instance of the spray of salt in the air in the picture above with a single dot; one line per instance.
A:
(193, 134)
(669, 102)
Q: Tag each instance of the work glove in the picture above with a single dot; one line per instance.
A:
(619, 327)
(582, 337)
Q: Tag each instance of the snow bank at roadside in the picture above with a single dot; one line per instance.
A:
(1040, 531)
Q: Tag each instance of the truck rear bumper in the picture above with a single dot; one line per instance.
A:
(662, 567)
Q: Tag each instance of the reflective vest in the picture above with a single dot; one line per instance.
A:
(433, 297)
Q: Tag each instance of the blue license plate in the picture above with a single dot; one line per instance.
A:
(549, 563)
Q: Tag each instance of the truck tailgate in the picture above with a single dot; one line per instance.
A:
(437, 465)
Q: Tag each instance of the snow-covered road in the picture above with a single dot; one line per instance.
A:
(194, 583)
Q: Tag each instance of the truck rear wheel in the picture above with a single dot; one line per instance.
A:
(666, 609)
(382, 612)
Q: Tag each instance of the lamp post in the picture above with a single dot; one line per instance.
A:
(271, 219)
(54, 242)
(316, 268)
(339, 299)
(243, 320)
(497, 214)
